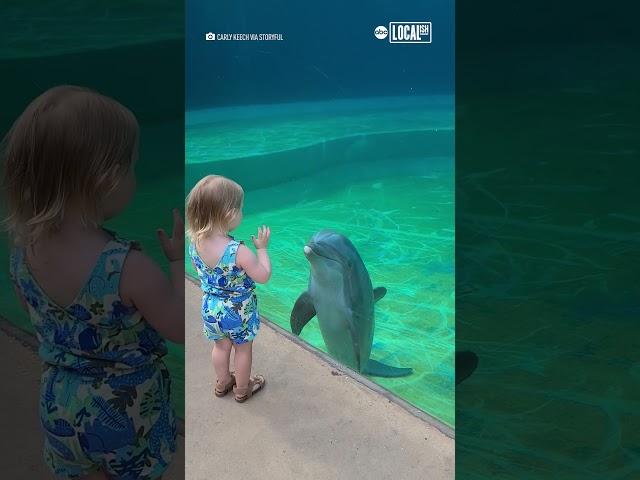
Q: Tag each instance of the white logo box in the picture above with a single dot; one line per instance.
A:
(410, 23)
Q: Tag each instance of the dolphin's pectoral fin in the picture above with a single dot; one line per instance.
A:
(378, 293)
(302, 312)
(378, 369)
(466, 363)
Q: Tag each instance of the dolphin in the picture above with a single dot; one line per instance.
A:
(341, 296)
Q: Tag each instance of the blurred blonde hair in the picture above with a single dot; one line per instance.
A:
(70, 146)
(211, 205)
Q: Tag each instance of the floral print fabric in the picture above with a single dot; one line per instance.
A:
(229, 303)
(105, 391)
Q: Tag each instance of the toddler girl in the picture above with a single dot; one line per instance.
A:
(99, 306)
(228, 271)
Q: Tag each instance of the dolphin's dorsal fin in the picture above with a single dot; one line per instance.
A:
(302, 312)
(378, 293)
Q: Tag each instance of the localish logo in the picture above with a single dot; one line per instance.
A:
(409, 32)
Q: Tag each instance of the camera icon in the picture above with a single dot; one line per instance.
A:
(209, 36)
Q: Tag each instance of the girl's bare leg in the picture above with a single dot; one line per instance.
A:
(243, 364)
(220, 356)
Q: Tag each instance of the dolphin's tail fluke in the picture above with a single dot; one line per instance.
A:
(377, 369)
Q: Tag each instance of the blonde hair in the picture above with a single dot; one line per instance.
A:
(211, 204)
(70, 145)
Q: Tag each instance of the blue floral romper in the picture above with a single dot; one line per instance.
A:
(229, 303)
(104, 391)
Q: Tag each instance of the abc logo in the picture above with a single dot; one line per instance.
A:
(381, 32)
(209, 36)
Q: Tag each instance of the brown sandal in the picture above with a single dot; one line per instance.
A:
(255, 385)
(222, 390)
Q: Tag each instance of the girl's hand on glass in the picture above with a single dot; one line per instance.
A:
(264, 233)
(173, 247)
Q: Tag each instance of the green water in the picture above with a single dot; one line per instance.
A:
(548, 246)
(40, 30)
(398, 212)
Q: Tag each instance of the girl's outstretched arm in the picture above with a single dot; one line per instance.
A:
(143, 283)
(257, 267)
